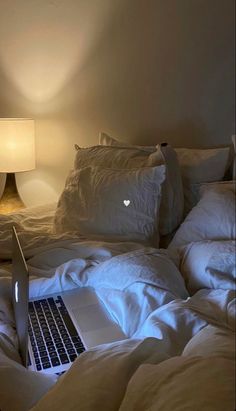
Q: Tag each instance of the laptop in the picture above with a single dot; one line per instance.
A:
(55, 329)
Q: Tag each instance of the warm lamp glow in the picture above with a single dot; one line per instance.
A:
(17, 145)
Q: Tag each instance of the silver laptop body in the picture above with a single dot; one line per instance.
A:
(55, 329)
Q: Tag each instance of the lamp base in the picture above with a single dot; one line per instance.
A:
(10, 200)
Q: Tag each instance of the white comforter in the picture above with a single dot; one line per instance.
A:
(179, 355)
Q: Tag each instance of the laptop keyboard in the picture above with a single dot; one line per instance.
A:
(53, 336)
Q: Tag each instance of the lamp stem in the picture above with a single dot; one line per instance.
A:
(10, 200)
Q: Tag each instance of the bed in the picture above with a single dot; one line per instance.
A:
(176, 305)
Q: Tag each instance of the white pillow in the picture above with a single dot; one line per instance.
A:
(111, 204)
(209, 264)
(172, 202)
(213, 218)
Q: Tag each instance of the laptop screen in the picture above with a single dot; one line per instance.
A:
(20, 295)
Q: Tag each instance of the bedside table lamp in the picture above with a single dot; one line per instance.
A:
(17, 154)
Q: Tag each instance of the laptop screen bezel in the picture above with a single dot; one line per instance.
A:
(20, 291)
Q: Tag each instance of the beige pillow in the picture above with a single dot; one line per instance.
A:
(112, 204)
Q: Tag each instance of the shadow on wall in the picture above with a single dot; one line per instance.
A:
(12, 102)
(39, 186)
(182, 135)
(41, 48)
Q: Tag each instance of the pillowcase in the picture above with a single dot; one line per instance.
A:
(117, 157)
(209, 264)
(213, 218)
(106, 140)
(197, 188)
(196, 165)
(203, 165)
(199, 166)
(172, 202)
(111, 204)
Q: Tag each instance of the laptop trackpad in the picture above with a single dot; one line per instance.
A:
(91, 317)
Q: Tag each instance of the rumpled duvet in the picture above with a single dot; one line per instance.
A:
(179, 351)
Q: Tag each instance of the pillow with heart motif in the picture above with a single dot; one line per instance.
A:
(112, 204)
(128, 157)
(120, 157)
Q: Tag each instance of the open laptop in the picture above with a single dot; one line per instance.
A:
(55, 329)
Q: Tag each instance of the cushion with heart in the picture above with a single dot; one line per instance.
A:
(112, 204)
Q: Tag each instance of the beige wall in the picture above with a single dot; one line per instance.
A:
(141, 70)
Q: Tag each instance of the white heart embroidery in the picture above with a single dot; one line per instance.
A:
(126, 203)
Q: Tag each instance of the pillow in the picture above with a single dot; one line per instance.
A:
(134, 157)
(111, 204)
(106, 140)
(196, 165)
(117, 157)
(209, 264)
(196, 188)
(199, 166)
(172, 202)
(213, 218)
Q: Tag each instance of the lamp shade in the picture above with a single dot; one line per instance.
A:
(17, 145)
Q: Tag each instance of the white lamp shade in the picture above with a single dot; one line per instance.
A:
(17, 145)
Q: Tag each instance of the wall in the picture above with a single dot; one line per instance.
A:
(141, 70)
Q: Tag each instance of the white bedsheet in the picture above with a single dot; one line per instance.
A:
(170, 332)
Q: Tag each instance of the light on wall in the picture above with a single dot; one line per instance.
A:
(17, 154)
